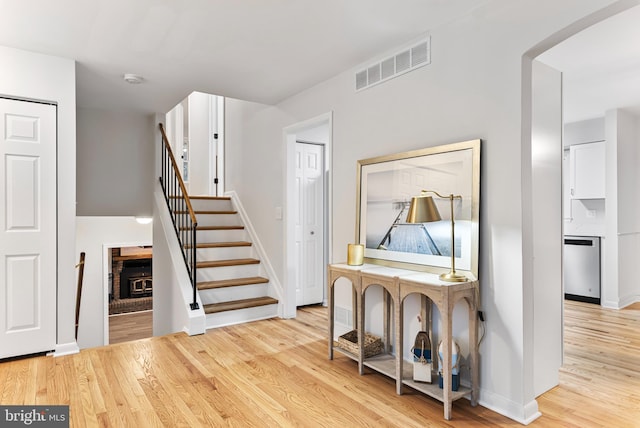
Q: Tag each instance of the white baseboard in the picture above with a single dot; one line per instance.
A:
(241, 316)
(629, 300)
(65, 349)
(524, 414)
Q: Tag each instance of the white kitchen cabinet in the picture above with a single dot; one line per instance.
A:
(587, 179)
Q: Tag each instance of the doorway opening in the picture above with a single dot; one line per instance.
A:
(195, 128)
(315, 134)
(542, 156)
(128, 292)
(310, 218)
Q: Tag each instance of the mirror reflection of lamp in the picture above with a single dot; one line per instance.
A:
(424, 210)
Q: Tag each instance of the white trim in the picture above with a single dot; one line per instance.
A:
(241, 316)
(261, 253)
(220, 130)
(65, 349)
(628, 300)
(524, 414)
(289, 141)
(211, 190)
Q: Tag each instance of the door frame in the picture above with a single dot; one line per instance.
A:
(216, 168)
(290, 138)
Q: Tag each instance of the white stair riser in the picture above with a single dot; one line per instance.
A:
(211, 205)
(221, 235)
(228, 272)
(226, 294)
(239, 316)
(218, 220)
(224, 253)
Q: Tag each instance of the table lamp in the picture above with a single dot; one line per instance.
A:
(424, 210)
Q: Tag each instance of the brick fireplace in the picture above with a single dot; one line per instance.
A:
(131, 288)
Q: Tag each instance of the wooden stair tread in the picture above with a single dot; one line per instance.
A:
(237, 227)
(222, 244)
(232, 282)
(239, 304)
(209, 212)
(215, 212)
(224, 263)
(213, 198)
(205, 228)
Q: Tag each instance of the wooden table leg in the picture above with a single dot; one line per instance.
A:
(446, 356)
(473, 351)
(331, 316)
(399, 332)
(360, 330)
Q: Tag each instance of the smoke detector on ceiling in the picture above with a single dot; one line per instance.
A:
(134, 79)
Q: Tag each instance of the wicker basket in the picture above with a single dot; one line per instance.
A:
(372, 344)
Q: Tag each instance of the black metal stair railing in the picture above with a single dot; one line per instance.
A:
(182, 214)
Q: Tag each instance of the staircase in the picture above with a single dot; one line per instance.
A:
(230, 280)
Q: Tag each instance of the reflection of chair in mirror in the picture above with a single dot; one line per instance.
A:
(408, 237)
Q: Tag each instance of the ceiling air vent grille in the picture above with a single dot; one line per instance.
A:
(361, 80)
(401, 62)
(373, 74)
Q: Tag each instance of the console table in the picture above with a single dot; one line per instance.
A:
(397, 285)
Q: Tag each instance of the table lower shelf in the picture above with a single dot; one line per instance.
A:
(386, 365)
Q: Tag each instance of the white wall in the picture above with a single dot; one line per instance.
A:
(255, 169)
(41, 77)
(93, 236)
(174, 128)
(610, 275)
(472, 89)
(622, 243)
(115, 167)
(584, 131)
(628, 206)
(318, 134)
(546, 159)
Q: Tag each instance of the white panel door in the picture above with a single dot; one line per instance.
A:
(27, 227)
(309, 223)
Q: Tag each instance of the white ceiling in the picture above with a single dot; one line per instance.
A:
(258, 50)
(601, 67)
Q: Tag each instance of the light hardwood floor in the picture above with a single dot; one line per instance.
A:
(600, 378)
(276, 373)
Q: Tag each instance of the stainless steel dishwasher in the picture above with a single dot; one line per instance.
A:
(581, 268)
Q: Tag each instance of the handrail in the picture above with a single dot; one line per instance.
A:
(167, 147)
(182, 214)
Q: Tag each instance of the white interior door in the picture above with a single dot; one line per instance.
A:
(309, 223)
(27, 227)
